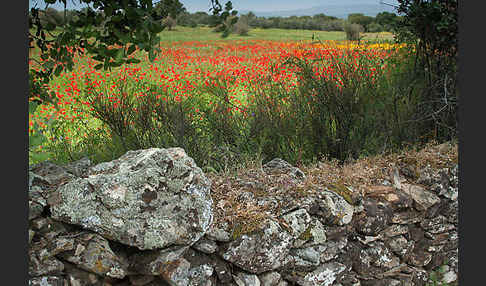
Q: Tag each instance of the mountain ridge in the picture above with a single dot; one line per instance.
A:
(336, 10)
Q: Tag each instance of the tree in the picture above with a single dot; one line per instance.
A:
(386, 19)
(172, 8)
(109, 30)
(430, 26)
(223, 20)
(359, 18)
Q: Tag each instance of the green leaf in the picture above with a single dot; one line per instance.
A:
(98, 66)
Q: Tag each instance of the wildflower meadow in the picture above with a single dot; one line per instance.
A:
(229, 101)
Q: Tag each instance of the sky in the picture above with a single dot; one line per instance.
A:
(251, 5)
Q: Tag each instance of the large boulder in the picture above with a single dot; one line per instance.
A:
(149, 199)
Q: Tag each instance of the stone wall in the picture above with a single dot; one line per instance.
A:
(148, 218)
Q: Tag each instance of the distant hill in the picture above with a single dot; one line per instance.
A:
(340, 10)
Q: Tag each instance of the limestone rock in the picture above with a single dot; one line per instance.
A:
(375, 218)
(79, 277)
(206, 246)
(332, 208)
(47, 281)
(259, 251)
(218, 234)
(280, 166)
(179, 266)
(297, 221)
(149, 199)
(48, 175)
(324, 275)
(314, 234)
(79, 167)
(305, 258)
(271, 278)
(245, 279)
(375, 260)
(91, 252)
(423, 199)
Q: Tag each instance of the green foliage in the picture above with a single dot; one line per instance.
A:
(387, 20)
(431, 28)
(360, 19)
(375, 28)
(166, 8)
(223, 20)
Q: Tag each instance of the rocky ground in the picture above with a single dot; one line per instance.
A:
(152, 217)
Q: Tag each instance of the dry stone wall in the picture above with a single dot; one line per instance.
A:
(147, 219)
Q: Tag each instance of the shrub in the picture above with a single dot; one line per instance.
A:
(352, 31)
(241, 27)
(375, 28)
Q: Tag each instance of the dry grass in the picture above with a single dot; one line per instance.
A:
(241, 200)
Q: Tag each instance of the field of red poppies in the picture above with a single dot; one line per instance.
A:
(299, 100)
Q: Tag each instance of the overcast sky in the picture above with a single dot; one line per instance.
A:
(252, 5)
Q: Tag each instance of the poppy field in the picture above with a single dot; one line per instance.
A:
(224, 101)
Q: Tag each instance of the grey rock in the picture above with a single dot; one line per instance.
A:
(332, 209)
(259, 251)
(79, 167)
(271, 278)
(400, 245)
(406, 217)
(156, 262)
(79, 277)
(375, 259)
(179, 266)
(278, 165)
(206, 246)
(331, 249)
(314, 234)
(394, 230)
(305, 258)
(324, 275)
(375, 218)
(437, 225)
(297, 222)
(449, 277)
(47, 281)
(245, 279)
(149, 199)
(423, 199)
(35, 209)
(218, 234)
(91, 252)
(49, 174)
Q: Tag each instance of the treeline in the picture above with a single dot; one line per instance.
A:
(384, 21)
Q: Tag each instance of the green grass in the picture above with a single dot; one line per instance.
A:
(186, 34)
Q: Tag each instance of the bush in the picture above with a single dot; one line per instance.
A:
(352, 31)
(241, 27)
(375, 28)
